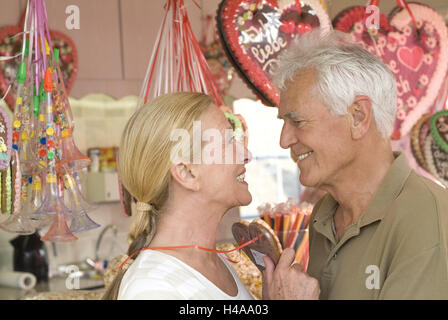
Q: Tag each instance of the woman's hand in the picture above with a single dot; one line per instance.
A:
(287, 281)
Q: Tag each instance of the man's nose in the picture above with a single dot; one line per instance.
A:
(287, 137)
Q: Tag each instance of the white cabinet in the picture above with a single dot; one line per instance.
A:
(102, 187)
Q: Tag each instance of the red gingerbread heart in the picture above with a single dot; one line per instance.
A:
(12, 46)
(254, 33)
(419, 60)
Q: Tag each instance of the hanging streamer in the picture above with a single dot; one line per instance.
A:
(177, 63)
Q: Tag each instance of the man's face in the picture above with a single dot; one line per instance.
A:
(320, 140)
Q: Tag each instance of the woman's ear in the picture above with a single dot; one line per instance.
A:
(360, 113)
(185, 175)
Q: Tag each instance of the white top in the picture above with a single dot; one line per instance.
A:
(155, 275)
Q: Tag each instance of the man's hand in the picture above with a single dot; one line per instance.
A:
(287, 281)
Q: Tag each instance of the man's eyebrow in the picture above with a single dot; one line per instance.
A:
(290, 115)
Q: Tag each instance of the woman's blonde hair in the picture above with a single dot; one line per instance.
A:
(144, 162)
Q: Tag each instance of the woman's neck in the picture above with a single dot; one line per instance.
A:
(188, 225)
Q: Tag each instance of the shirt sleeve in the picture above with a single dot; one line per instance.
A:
(422, 276)
(150, 289)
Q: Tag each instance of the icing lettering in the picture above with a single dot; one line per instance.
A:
(402, 86)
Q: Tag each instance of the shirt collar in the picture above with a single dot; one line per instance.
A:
(388, 191)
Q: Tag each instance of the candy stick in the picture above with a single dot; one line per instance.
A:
(277, 224)
(17, 181)
(294, 242)
(61, 103)
(295, 229)
(292, 235)
(302, 249)
(307, 220)
(8, 191)
(18, 116)
(299, 238)
(267, 219)
(286, 222)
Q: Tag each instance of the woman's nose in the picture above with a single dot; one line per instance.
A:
(247, 156)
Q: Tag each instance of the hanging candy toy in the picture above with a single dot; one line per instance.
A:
(42, 135)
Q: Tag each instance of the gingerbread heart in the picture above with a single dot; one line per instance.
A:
(439, 129)
(254, 33)
(12, 46)
(419, 60)
(267, 243)
(437, 160)
(240, 231)
(418, 137)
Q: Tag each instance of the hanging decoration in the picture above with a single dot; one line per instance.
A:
(413, 42)
(46, 159)
(239, 125)
(255, 32)
(177, 63)
(11, 46)
(5, 140)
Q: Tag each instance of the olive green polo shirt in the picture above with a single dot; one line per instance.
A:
(397, 249)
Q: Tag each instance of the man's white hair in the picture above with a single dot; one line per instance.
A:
(344, 71)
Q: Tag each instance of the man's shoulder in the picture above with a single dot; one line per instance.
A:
(421, 209)
(420, 194)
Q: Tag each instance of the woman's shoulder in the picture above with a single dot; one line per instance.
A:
(154, 275)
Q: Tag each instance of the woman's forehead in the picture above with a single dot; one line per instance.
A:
(215, 118)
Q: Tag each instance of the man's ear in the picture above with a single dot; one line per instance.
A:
(185, 175)
(361, 116)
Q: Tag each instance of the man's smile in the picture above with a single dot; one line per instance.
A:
(303, 156)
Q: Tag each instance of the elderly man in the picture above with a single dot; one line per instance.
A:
(381, 231)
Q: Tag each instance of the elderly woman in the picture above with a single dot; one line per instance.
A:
(181, 197)
(381, 231)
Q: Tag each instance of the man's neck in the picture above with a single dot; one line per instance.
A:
(355, 188)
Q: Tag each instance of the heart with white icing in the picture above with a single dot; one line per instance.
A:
(254, 33)
(419, 60)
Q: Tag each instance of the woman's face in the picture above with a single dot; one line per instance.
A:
(222, 167)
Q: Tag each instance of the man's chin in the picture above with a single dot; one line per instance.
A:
(307, 181)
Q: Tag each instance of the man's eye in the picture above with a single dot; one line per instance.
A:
(297, 122)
